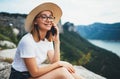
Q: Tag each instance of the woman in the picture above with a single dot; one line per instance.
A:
(37, 45)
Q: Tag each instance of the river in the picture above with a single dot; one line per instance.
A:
(113, 46)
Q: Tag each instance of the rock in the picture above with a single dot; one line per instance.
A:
(81, 71)
(7, 44)
(86, 74)
(8, 53)
(16, 31)
(4, 70)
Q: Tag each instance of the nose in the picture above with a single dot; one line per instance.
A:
(48, 20)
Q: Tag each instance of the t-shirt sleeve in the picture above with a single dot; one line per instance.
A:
(26, 49)
(50, 46)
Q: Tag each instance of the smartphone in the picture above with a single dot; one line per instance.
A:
(53, 30)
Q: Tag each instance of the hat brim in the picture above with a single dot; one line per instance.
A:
(56, 10)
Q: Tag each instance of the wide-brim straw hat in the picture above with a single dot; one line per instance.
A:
(56, 10)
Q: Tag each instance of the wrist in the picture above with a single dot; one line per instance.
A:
(58, 64)
(57, 42)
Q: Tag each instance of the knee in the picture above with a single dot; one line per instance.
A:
(63, 70)
(64, 73)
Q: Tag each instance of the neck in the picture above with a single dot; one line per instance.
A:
(42, 34)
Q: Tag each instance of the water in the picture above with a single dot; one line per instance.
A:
(113, 46)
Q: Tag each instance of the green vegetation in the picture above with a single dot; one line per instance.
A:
(79, 51)
(9, 60)
(6, 33)
(70, 48)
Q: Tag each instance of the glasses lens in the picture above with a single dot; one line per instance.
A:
(44, 17)
(51, 18)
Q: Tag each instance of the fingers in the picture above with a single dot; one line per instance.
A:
(55, 25)
(68, 66)
(72, 70)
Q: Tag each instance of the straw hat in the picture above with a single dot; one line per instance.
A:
(56, 10)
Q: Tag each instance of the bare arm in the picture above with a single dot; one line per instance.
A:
(54, 56)
(36, 71)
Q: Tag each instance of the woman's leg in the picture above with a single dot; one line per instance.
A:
(76, 76)
(59, 73)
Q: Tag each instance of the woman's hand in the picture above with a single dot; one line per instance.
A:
(67, 65)
(56, 36)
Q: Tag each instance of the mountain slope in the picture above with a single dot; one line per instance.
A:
(77, 50)
(100, 31)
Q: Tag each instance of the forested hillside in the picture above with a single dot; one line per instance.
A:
(77, 50)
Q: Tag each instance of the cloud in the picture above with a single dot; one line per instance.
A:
(76, 11)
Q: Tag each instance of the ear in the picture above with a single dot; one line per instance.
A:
(35, 23)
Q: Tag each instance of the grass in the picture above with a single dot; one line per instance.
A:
(9, 60)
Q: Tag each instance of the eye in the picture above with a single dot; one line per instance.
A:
(43, 17)
(51, 17)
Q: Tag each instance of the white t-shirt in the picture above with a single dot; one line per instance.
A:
(28, 48)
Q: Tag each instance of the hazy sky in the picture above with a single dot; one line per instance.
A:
(75, 11)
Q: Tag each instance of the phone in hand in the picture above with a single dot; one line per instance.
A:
(53, 30)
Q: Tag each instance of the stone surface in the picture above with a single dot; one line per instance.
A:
(9, 53)
(81, 71)
(4, 70)
(86, 74)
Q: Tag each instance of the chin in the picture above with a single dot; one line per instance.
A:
(48, 29)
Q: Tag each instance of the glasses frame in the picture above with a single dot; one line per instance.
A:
(45, 17)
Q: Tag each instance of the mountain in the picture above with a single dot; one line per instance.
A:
(77, 50)
(8, 23)
(14, 20)
(74, 48)
(100, 31)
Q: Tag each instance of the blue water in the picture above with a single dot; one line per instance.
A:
(113, 46)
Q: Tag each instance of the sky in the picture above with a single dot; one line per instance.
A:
(79, 12)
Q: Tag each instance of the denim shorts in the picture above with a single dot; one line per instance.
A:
(19, 75)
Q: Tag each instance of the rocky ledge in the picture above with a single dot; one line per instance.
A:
(81, 71)
(4, 70)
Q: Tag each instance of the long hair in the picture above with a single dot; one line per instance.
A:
(35, 32)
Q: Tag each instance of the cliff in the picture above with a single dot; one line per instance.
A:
(10, 53)
(81, 71)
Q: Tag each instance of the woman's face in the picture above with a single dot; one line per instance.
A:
(44, 20)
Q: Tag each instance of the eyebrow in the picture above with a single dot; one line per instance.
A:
(45, 14)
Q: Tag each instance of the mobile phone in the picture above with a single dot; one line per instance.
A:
(53, 30)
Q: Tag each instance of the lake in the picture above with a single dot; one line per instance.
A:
(113, 46)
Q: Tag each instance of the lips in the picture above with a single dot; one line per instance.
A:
(48, 25)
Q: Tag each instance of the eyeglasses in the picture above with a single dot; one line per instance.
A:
(45, 18)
